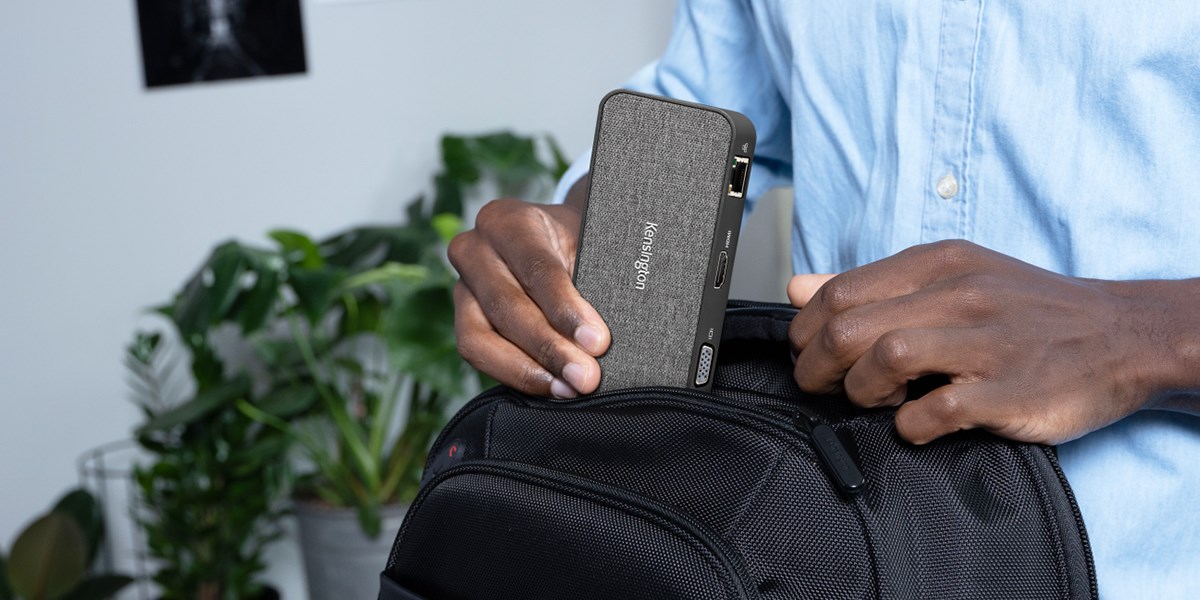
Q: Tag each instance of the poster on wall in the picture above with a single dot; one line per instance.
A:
(188, 41)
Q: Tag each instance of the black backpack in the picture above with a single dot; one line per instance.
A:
(756, 491)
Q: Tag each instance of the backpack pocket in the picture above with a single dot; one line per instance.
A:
(490, 529)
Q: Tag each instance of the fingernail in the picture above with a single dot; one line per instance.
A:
(897, 397)
(588, 337)
(559, 389)
(575, 374)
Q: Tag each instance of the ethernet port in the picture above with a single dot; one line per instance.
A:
(739, 176)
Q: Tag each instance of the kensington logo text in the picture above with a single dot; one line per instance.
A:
(642, 264)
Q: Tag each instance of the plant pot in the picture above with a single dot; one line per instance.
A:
(340, 561)
(268, 593)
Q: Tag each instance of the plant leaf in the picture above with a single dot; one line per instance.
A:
(100, 587)
(510, 158)
(363, 317)
(353, 248)
(227, 264)
(267, 448)
(349, 432)
(447, 226)
(459, 159)
(193, 310)
(288, 401)
(258, 301)
(381, 419)
(415, 211)
(420, 328)
(315, 290)
(561, 164)
(389, 272)
(370, 518)
(204, 402)
(279, 354)
(48, 558)
(447, 194)
(87, 513)
(207, 367)
(407, 244)
(6, 592)
(298, 249)
(144, 346)
(210, 292)
(366, 247)
(348, 429)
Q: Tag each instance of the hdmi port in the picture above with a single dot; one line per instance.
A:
(722, 264)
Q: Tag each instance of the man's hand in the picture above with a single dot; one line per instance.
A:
(517, 314)
(1031, 355)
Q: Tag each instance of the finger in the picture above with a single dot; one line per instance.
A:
(880, 377)
(540, 251)
(489, 352)
(844, 338)
(518, 319)
(801, 288)
(898, 275)
(945, 410)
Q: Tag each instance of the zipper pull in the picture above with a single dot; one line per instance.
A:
(833, 453)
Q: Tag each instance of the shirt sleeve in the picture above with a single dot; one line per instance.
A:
(716, 56)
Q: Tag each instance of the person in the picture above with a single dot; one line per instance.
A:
(1010, 194)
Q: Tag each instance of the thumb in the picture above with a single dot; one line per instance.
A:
(801, 288)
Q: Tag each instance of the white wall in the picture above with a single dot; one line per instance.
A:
(110, 194)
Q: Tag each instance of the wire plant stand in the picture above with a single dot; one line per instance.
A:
(107, 472)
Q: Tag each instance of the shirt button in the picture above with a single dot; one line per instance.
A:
(947, 186)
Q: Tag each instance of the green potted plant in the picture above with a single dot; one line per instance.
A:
(382, 345)
(51, 558)
(353, 343)
(211, 496)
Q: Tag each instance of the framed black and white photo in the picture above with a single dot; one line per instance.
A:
(186, 41)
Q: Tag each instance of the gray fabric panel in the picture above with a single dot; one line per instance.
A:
(663, 163)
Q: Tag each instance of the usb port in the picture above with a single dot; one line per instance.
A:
(738, 176)
(722, 264)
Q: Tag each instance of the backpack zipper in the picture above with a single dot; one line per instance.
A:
(739, 307)
(1083, 536)
(839, 465)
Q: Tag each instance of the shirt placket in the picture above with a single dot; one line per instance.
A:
(947, 192)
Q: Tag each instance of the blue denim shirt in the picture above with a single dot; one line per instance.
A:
(1065, 134)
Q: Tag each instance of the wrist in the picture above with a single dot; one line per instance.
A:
(1160, 319)
(577, 196)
